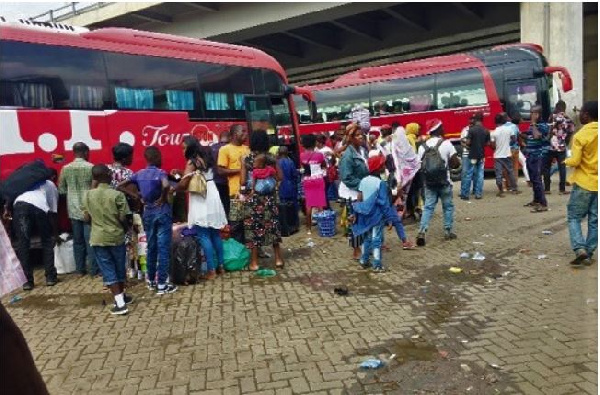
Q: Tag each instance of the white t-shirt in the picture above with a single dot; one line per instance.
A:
(501, 136)
(446, 149)
(325, 150)
(369, 186)
(45, 197)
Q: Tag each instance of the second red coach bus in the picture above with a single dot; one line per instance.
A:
(505, 78)
(60, 85)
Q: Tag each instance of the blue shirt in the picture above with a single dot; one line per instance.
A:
(537, 148)
(288, 189)
(149, 182)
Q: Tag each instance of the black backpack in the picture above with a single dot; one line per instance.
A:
(23, 179)
(435, 171)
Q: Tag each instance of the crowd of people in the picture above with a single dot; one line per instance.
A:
(381, 177)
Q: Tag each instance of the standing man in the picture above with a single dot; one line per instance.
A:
(437, 155)
(230, 159)
(75, 180)
(501, 139)
(536, 147)
(467, 168)
(35, 210)
(477, 138)
(584, 194)
(220, 181)
(153, 184)
(561, 130)
(229, 164)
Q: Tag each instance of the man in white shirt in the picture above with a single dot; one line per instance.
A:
(501, 139)
(442, 192)
(35, 210)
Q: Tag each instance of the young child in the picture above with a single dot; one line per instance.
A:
(107, 209)
(373, 211)
(263, 176)
(154, 187)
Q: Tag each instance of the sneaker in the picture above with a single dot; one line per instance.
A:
(151, 285)
(539, 209)
(421, 239)
(464, 197)
(449, 235)
(516, 192)
(379, 269)
(364, 265)
(128, 299)
(119, 310)
(547, 192)
(166, 289)
(51, 282)
(500, 194)
(478, 197)
(28, 286)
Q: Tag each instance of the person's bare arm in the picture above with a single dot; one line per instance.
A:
(183, 184)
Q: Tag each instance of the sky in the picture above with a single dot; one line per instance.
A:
(13, 10)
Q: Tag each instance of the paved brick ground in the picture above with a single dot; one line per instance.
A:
(510, 324)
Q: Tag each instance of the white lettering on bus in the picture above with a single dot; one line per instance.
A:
(80, 130)
(155, 135)
(12, 142)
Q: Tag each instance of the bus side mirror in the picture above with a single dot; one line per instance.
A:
(565, 77)
(312, 108)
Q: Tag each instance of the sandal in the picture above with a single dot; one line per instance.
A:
(279, 265)
(255, 268)
(539, 209)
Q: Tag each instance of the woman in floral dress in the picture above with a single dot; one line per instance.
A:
(261, 222)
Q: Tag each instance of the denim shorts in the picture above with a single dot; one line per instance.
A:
(111, 261)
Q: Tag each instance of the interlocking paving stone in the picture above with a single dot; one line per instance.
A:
(535, 320)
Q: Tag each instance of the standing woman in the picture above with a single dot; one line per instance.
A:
(313, 181)
(261, 219)
(407, 165)
(353, 168)
(205, 214)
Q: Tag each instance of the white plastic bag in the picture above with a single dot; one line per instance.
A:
(64, 261)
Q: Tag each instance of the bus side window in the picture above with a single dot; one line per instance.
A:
(460, 89)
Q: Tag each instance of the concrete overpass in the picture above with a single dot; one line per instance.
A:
(316, 42)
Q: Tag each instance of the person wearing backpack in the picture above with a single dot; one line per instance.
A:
(437, 155)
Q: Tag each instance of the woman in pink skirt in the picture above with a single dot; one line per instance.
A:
(313, 181)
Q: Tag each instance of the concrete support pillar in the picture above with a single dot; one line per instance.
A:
(558, 27)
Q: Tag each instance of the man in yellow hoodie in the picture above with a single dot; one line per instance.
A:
(584, 195)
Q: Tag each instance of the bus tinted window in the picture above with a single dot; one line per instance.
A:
(273, 82)
(42, 76)
(460, 89)
(336, 104)
(521, 96)
(402, 95)
(223, 89)
(151, 83)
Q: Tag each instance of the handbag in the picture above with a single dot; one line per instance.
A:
(197, 184)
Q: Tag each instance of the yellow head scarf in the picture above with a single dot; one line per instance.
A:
(412, 128)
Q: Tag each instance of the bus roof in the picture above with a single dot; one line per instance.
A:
(420, 67)
(137, 42)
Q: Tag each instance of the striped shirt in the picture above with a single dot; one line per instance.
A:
(75, 180)
(537, 147)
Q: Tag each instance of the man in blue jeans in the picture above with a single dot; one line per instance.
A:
(584, 194)
(537, 145)
(477, 138)
(467, 169)
(75, 180)
(154, 187)
(441, 192)
(108, 212)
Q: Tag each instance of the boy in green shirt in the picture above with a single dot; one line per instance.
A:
(108, 211)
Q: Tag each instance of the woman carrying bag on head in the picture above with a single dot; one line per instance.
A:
(205, 212)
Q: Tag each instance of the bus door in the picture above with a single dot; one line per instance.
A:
(521, 96)
(272, 114)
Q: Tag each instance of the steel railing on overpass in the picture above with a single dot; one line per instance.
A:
(67, 11)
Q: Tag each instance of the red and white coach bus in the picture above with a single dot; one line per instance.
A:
(60, 85)
(451, 88)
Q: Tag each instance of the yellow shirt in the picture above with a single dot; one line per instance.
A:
(230, 157)
(584, 157)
